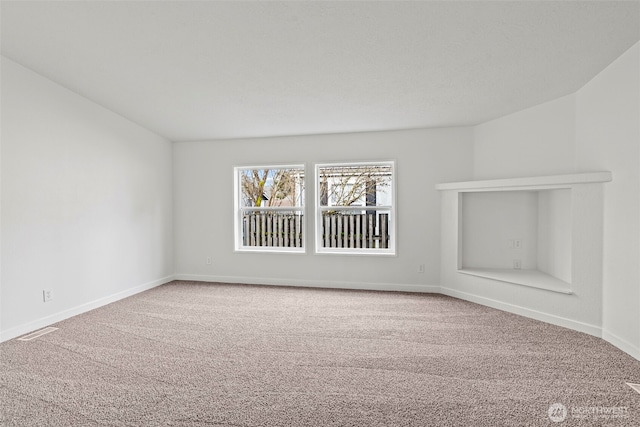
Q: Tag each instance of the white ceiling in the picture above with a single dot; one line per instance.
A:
(204, 70)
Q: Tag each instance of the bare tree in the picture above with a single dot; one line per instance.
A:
(253, 182)
(271, 187)
(356, 185)
(347, 185)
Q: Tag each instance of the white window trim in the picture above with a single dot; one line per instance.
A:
(238, 210)
(319, 249)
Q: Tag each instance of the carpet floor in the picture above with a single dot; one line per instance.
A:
(207, 354)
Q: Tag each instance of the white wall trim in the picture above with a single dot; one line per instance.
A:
(398, 287)
(535, 181)
(526, 312)
(82, 308)
(622, 344)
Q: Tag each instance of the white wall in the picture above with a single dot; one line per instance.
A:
(490, 220)
(203, 195)
(598, 128)
(608, 138)
(86, 204)
(554, 233)
(532, 142)
(540, 220)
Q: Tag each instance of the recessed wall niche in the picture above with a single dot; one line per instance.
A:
(519, 236)
(541, 232)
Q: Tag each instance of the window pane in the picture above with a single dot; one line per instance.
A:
(355, 185)
(273, 229)
(270, 208)
(355, 211)
(351, 229)
(276, 187)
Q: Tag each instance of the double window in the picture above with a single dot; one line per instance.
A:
(354, 208)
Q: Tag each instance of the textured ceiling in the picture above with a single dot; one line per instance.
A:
(205, 70)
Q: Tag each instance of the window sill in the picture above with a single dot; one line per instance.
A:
(530, 278)
(349, 251)
(268, 250)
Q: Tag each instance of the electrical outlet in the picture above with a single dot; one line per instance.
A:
(47, 295)
(208, 260)
(517, 264)
(515, 243)
(421, 268)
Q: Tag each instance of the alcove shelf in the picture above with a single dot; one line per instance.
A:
(528, 182)
(531, 278)
(527, 231)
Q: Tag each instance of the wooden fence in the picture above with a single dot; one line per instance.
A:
(346, 230)
(273, 229)
(339, 230)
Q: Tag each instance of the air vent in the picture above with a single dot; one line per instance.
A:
(636, 387)
(36, 334)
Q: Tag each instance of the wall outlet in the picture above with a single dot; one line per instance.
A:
(421, 268)
(517, 264)
(208, 260)
(47, 295)
(515, 243)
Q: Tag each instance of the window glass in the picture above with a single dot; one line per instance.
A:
(355, 208)
(270, 208)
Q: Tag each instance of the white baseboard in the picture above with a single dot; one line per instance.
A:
(623, 345)
(526, 312)
(83, 308)
(398, 287)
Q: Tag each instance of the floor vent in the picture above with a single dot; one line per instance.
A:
(36, 334)
(636, 387)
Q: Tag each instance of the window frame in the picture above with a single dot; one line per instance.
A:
(239, 210)
(319, 209)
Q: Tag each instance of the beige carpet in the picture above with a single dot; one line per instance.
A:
(196, 354)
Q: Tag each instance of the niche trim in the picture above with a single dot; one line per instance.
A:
(568, 230)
